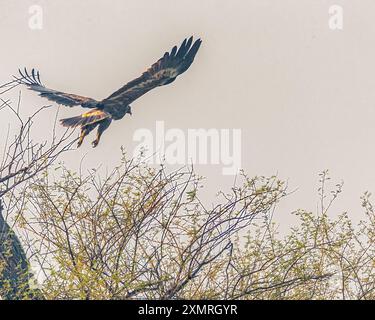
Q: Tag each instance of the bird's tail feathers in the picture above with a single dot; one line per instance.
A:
(72, 122)
(85, 119)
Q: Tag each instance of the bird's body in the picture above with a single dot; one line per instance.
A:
(117, 105)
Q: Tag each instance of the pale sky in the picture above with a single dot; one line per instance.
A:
(302, 94)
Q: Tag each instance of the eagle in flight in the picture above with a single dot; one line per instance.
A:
(117, 105)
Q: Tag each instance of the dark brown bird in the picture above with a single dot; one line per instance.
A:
(117, 105)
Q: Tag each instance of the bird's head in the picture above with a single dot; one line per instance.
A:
(129, 110)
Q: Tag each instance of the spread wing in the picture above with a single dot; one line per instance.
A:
(163, 72)
(32, 81)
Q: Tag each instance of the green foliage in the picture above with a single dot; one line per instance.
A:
(143, 232)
